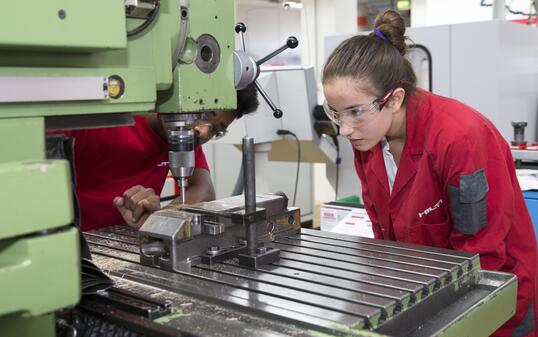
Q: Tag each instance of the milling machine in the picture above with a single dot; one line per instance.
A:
(228, 267)
(87, 64)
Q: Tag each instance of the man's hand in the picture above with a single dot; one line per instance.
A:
(136, 204)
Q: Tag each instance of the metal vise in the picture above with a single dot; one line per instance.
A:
(175, 238)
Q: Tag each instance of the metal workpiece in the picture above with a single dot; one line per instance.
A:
(330, 283)
(175, 237)
(160, 234)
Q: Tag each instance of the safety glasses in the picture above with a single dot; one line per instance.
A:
(213, 131)
(357, 115)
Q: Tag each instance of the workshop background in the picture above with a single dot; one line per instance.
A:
(287, 247)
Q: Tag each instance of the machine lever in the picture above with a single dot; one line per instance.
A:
(240, 29)
(291, 43)
(277, 113)
(247, 76)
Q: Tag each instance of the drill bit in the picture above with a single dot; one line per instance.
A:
(183, 194)
(182, 182)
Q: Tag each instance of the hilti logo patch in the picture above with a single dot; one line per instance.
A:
(430, 209)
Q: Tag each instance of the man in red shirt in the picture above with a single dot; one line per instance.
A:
(120, 171)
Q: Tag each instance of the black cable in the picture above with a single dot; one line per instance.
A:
(484, 4)
(151, 18)
(288, 132)
(430, 64)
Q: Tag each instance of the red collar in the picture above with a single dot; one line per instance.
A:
(416, 118)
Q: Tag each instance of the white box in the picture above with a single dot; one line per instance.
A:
(345, 218)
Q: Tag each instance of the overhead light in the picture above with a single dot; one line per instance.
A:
(292, 4)
(403, 5)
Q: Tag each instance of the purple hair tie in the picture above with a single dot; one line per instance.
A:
(378, 33)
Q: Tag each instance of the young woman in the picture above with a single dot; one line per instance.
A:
(433, 170)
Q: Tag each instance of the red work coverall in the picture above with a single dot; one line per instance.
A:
(455, 188)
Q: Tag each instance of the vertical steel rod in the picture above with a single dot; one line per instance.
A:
(250, 192)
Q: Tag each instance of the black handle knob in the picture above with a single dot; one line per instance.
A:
(278, 113)
(240, 27)
(292, 42)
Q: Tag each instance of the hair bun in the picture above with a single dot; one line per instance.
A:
(392, 25)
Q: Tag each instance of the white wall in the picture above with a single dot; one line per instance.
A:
(322, 18)
(268, 27)
(438, 12)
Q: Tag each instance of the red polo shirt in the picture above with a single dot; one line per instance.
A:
(109, 161)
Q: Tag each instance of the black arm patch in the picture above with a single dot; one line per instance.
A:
(468, 202)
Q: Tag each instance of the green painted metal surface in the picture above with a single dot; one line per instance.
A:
(35, 196)
(22, 139)
(193, 90)
(145, 65)
(488, 315)
(39, 274)
(62, 25)
(17, 326)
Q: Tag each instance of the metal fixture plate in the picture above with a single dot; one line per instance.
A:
(328, 287)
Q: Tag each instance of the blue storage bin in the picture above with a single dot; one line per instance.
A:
(531, 199)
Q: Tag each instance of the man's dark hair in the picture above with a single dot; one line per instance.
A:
(247, 100)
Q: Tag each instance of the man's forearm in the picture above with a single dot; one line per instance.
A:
(200, 188)
(196, 194)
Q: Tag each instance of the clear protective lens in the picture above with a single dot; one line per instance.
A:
(356, 115)
(220, 134)
(330, 113)
(352, 116)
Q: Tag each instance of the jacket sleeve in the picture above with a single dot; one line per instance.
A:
(479, 189)
(368, 205)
